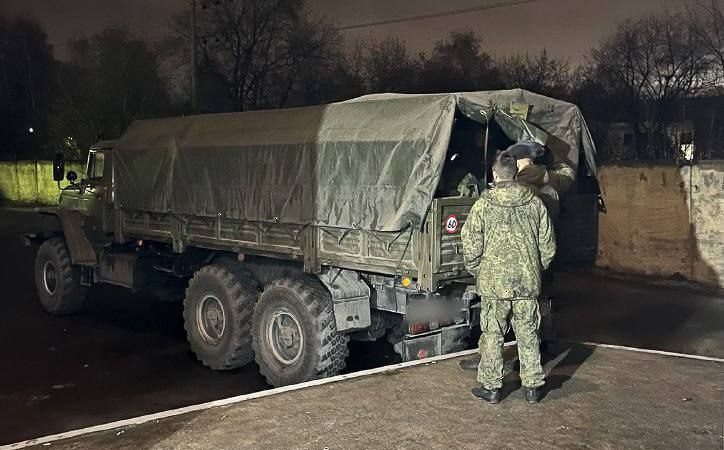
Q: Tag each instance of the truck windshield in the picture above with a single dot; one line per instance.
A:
(95, 165)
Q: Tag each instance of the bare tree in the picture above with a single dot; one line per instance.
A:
(647, 67)
(26, 72)
(258, 47)
(459, 63)
(542, 74)
(387, 66)
(313, 50)
(336, 76)
(707, 25)
(112, 78)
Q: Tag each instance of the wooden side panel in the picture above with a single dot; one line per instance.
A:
(269, 239)
(382, 252)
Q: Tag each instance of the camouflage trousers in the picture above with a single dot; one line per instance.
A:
(525, 317)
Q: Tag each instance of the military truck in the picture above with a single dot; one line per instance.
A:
(297, 230)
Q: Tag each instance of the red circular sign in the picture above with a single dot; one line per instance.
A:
(451, 224)
(422, 354)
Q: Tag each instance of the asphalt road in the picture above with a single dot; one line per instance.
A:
(124, 355)
(127, 355)
(666, 316)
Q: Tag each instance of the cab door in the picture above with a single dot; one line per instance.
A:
(97, 195)
(89, 199)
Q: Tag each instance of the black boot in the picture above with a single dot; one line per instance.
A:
(489, 395)
(470, 364)
(532, 395)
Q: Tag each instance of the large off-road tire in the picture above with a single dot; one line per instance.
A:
(295, 334)
(218, 310)
(57, 280)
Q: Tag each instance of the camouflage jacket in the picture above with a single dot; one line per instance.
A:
(508, 240)
(549, 183)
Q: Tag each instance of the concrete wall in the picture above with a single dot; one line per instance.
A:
(32, 183)
(664, 220)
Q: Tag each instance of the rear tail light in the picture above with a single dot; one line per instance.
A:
(424, 327)
(418, 327)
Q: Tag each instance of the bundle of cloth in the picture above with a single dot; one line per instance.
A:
(543, 171)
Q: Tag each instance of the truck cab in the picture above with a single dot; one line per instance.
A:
(92, 196)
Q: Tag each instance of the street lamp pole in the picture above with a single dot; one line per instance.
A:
(194, 100)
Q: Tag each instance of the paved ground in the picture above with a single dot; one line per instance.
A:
(127, 354)
(599, 399)
(636, 314)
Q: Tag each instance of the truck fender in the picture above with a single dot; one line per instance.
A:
(350, 297)
(80, 248)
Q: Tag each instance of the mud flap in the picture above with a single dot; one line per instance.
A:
(350, 297)
(80, 248)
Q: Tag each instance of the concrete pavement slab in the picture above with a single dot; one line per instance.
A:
(598, 398)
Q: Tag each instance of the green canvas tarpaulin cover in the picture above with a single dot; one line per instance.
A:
(373, 162)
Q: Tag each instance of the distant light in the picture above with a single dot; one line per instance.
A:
(31, 130)
(687, 151)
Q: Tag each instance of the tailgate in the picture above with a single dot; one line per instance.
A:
(445, 247)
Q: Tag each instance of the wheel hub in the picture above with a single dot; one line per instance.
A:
(284, 336)
(50, 279)
(210, 319)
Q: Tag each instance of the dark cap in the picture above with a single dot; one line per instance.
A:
(526, 149)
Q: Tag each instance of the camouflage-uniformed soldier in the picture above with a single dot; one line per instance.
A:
(508, 240)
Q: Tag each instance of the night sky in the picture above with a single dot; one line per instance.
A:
(567, 28)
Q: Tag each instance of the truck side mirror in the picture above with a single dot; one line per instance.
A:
(59, 167)
(72, 176)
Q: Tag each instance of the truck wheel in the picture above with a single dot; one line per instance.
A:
(218, 309)
(295, 334)
(57, 280)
